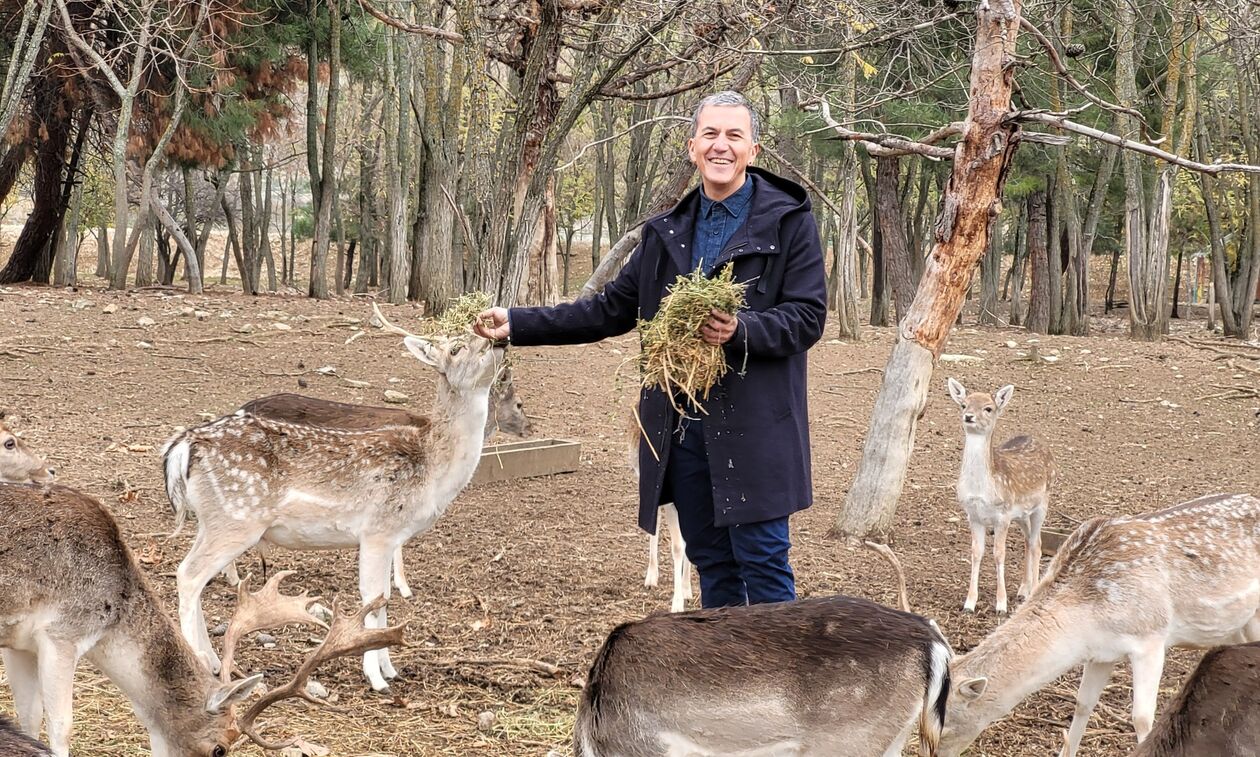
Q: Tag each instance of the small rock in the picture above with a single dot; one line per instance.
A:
(319, 611)
(316, 689)
(187, 312)
(281, 326)
(302, 382)
(145, 321)
(110, 308)
(144, 345)
(395, 397)
(219, 630)
(266, 639)
(486, 721)
(80, 304)
(201, 315)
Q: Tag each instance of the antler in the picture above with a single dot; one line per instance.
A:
(386, 325)
(891, 557)
(263, 609)
(347, 636)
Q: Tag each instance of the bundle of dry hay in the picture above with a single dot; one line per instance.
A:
(457, 319)
(674, 357)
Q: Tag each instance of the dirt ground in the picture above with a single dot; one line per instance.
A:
(541, 569)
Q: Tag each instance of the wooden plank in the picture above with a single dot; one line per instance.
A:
(539, 457)
(1051, 540)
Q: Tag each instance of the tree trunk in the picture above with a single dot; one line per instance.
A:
(396, 138)
(46, 194)
(68, 257)
(896, 247)
(844, 259)
(544, 288)
(144, 262)
(1039, 299)
(972, 198)
(991, 277)
(249, 231)
(879, 286)
(102, 252)
(1054, 256)
(318, 287)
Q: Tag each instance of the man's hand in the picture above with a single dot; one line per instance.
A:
(492, 324)
(719, 328)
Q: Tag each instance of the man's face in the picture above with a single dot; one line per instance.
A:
(722, 148)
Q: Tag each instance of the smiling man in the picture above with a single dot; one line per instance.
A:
(737, 470)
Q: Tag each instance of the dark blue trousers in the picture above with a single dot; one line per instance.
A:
(738, 565)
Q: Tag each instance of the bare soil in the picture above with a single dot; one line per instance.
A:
(541, 569)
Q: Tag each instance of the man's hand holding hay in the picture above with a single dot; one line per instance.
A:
(720, 327)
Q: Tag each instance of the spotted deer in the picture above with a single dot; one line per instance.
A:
(668, 516)
(18, 463)
(507, 414)
(1124, 588)
(1217, 711)
(820, 676)
(304, 486)
(1000, 484)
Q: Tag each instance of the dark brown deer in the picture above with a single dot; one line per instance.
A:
(14, 743)
(1217, 711)
(824, 676)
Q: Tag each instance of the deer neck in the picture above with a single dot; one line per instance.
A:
(147, 658)
(976, 476)
(458, 434)
(1043, 640)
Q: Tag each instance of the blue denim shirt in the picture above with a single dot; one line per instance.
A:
(717, 223)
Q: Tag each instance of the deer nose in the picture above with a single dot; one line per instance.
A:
(969, 418)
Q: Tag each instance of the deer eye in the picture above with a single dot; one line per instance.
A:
(10, 443)
(455, 350)
(219, 751)
(988, 410)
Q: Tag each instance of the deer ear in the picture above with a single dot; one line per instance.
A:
(972, 688)
(1003, 395)
(424, 350)
(958, 392)
(230, 693)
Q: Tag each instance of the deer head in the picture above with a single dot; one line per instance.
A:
(466, 361)
(980, 411)
(18, 464)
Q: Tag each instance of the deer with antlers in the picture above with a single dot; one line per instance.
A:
(302, 486)
(998, 485)
(1119, 588)
(18, 463)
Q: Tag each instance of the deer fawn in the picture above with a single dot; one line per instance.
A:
(508, 416)
(1128, 587)
(669, 516)
(824, 676)
(18, 464)
(302, 486)
(997, 485)
(1217, 711)
(70, 588)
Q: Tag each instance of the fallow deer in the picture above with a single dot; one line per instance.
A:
(507, 414)
(668, 516)
(1217, 711)
(822, 676)
(18, 464)
(14, 743)
(1119, 588)
(300, 486)
(70, 588)
(1000, 484)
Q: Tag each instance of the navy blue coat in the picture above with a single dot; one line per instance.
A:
(757, 428)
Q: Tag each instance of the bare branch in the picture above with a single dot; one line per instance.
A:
(618, 135)
(858, 45)
(1128, 144)
(403, 26)
(885, 145)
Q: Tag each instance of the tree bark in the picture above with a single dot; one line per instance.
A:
(896, 247)
(46, 194)
(971, 201)
(991, 277)
(1038, 254)
(318, 287)
(67, 258)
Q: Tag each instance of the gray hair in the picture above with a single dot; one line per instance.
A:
(728, 98)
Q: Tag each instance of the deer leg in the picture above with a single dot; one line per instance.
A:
(999, 564)
(23, 672)
(1148, 666)
(209, 555)
(652, 577)
(56, 679)
(678, 557)
(1093, 681)
(977, 554)
(231, 575)
(400, 579)
(374, 575)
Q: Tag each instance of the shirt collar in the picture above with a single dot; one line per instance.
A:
(734, 204)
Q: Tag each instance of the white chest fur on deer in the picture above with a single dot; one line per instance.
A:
(1119, 588)
(70, 588)
(305, 486)
(822, 676)
(998, 485)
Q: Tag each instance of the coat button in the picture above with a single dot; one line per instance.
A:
(772, 247)
(671, 231)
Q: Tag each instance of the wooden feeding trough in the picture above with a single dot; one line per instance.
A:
(538, 457)
(1051, 540)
